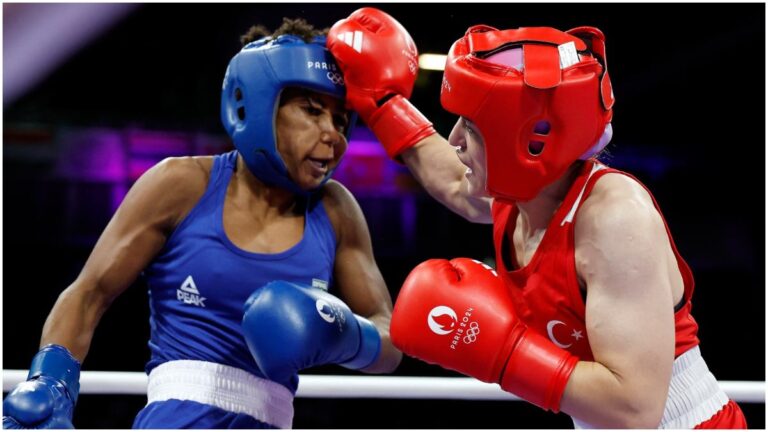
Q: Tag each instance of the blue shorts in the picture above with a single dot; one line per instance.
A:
(184, 414)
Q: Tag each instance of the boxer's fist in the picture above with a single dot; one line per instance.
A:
(380, 63)
(378, 58)
(289, 327)
(458, 314)
(46, 400)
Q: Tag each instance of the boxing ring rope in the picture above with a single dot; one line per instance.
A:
(377, 387)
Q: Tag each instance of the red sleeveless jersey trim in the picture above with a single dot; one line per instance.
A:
(546, 291)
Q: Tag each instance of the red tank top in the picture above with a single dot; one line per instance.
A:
(546, 291)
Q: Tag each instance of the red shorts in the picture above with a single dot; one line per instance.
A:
(730, 417)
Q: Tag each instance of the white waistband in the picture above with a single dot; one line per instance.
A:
(225, 387)
(694, 394)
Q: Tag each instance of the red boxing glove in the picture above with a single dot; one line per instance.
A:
(380, 62)
(458, 314)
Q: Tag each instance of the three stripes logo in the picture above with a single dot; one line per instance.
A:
(353, 39)
(189, 294)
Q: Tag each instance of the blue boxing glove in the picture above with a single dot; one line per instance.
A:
(46, 400)
(289, 327)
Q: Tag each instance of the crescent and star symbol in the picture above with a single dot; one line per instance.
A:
(551, 326)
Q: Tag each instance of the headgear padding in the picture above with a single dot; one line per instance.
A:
(251, 91)
(536, 121)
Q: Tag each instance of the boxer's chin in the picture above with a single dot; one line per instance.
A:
(475, 184)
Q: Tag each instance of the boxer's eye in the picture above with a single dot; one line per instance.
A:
(311, 110)
(467, 127)
(341, 122)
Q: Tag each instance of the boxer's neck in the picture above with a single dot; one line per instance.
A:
(268, 199)
(536, 213)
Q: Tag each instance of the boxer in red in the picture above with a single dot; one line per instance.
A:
(589, 309)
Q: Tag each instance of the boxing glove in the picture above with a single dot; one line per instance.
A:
(458, 314)
(289, 327)
(46, 400)
(380, 63)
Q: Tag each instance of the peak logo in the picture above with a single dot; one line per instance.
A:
(442, 320)
(188, 293)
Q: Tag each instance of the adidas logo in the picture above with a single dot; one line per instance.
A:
(353, 39)
(189, 294)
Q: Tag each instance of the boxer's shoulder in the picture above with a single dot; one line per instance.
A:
(187, 165)
(174, 185)
(186, 171)
(336, 193)
(616, 195)
(341, 206)
(617, 209)
(186, 176)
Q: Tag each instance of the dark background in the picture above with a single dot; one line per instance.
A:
(689, 119)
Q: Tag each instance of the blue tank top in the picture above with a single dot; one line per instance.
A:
(200, 280)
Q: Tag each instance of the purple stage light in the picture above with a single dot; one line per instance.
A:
(95, 155)
(62, 29)
(366, 169)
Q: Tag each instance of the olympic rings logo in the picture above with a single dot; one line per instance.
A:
(472, 332)
(335, 77)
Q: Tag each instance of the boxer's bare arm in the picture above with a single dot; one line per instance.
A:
(382, 70)
(435, 165)
(622, 254)
(360, 282)
(158, 201)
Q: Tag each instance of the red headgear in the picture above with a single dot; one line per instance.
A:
(538, 121)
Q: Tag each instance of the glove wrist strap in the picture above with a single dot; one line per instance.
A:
(538, 371)
(399, 125)
(57, 362)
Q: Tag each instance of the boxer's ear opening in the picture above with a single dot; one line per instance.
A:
(542, 127)
(240, 109)
(535, 147)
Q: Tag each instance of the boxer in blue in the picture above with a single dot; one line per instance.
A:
(244, 254)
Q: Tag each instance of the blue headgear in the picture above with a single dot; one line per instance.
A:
(251, 91)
